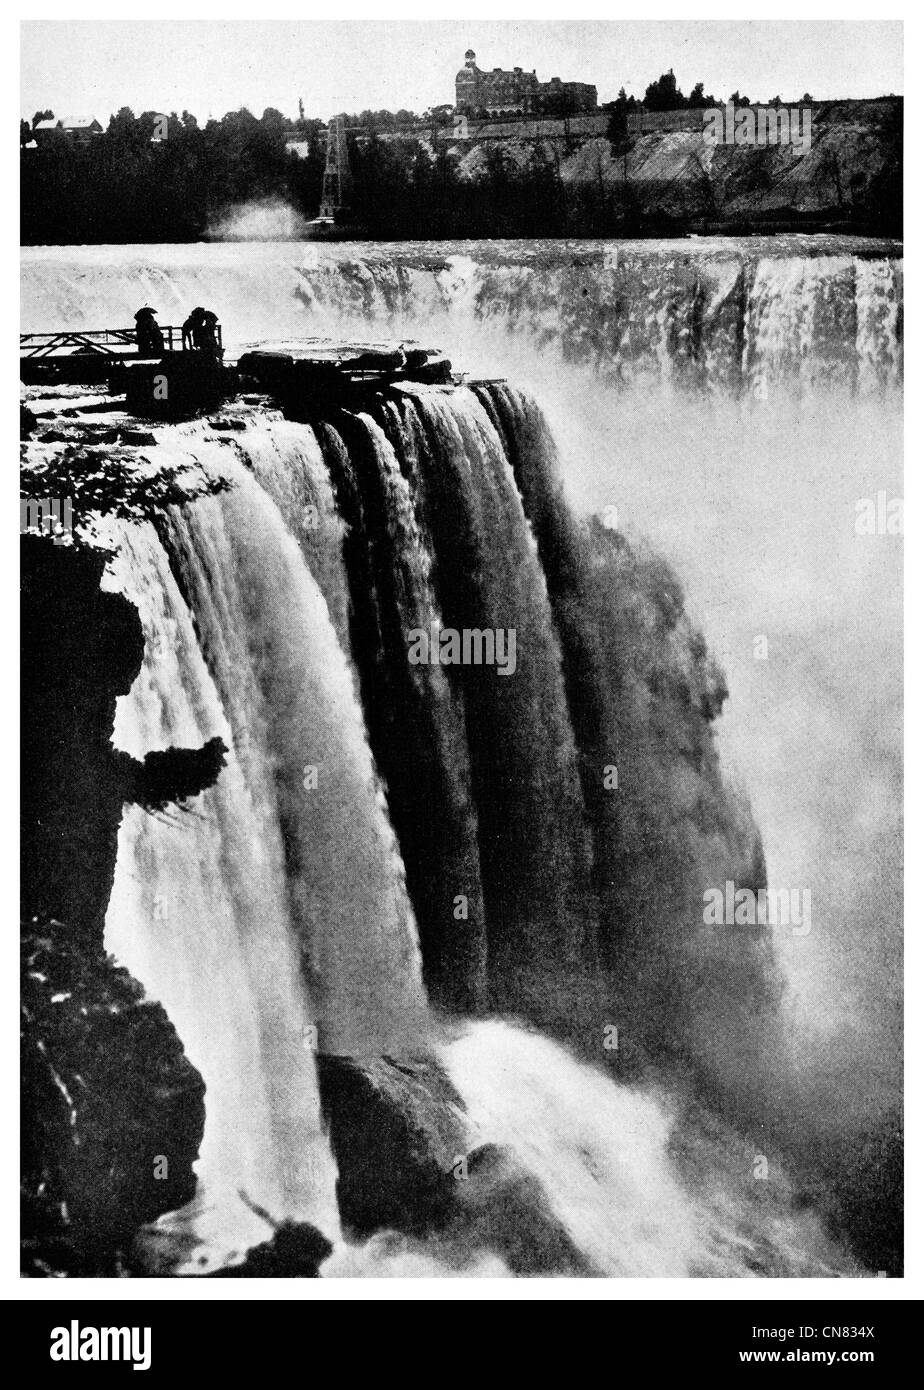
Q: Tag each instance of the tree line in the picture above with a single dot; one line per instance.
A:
(139, 181)
(151, 178)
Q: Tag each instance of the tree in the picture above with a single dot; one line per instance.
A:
(25, 132)
(664, 95)
(617, 129)
(698, 101)
(737, 99)
(42, 116)
(806, 98)
(148, 123)
(273, 120)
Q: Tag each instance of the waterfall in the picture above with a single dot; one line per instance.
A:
(716, 314)
(199, 913)
(269, 919)
(517, 746)
(407, 861)
(286, 685)
(282, 914)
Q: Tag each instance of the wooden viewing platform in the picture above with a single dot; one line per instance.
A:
(87, 354)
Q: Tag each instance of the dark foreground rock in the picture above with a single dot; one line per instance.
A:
(296, 1251)
(113, 1113)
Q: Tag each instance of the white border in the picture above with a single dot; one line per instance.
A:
(803, 1290)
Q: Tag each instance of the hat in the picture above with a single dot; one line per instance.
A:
(145, 309)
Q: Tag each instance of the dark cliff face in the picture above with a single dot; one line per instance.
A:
(81, 648)
(113, 1112)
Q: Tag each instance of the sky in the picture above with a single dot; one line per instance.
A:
(92, 67)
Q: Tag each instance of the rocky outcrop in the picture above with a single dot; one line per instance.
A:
(112, 1111)
(403, 1149)
(81, 648)
(295, 1251)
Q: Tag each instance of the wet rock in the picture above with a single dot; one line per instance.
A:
(112, 1110)
(396, 1129)
(138, 437)
(502, 1207)
(296, 1251)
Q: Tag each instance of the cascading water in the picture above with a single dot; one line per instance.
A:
(309, 898)
(274, 653)
(273, 918)
(199, 911)
(268, 881)
(533, 843)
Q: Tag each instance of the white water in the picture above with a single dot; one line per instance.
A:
(624, 309)
(206, 909)
(600, 1150)
(199, 913)
(605, 1157)
(285, 683)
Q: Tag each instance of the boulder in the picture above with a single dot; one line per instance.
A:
(396, 1130)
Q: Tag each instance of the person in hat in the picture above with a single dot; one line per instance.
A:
(199, 332)
(148, 336)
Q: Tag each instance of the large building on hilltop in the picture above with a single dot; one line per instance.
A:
(498, 92)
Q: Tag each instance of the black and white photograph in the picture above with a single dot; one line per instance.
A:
(461, 581)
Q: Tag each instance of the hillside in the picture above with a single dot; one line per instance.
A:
(849, 175)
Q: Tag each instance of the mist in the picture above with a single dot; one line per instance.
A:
(266, 219)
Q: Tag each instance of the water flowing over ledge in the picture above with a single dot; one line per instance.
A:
(279, 920)
(723, 314)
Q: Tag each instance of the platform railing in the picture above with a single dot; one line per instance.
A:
(102, 341)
